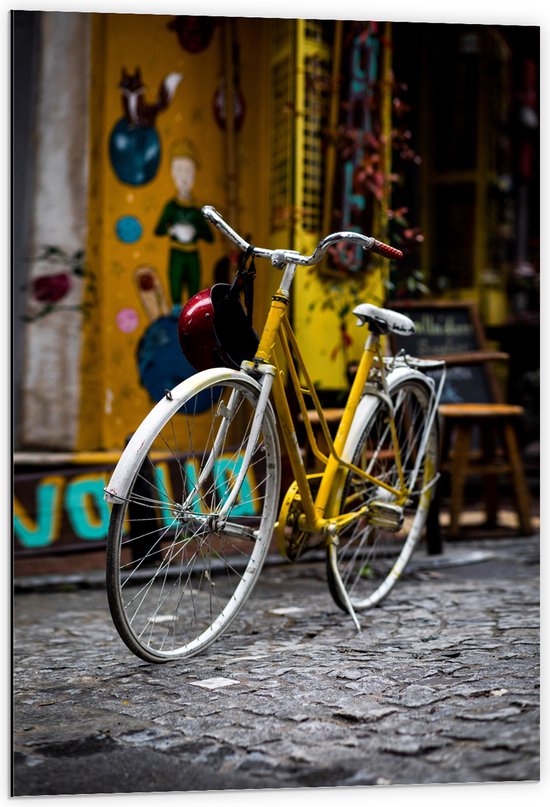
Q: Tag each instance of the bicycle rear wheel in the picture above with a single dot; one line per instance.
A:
(177, 574)
(370, 559)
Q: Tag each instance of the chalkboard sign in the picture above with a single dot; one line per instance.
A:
(443, 329)
(464, 384)
(440, 329)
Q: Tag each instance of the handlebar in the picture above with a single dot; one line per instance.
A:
(280, 257)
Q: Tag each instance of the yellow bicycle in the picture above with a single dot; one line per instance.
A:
(196, 493)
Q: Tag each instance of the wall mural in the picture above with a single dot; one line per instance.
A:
(135, 154)
(181, 219)
(62, 271)
(134, 144)
(159, 359)
(68, 508)
(158, 237)
(161, 364)
(148, 258)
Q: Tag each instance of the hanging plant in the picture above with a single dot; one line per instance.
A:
(364, 183)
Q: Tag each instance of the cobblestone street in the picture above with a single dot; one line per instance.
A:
(441, 686)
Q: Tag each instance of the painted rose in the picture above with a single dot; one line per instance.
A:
(51, 288)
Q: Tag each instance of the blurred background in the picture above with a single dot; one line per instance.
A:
(424, 135)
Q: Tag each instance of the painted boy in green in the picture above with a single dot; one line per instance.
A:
(184, 223)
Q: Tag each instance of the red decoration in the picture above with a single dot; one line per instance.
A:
(194, 33)
(220, 108)
(51, 288)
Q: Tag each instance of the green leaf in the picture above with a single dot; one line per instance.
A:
(49, 251)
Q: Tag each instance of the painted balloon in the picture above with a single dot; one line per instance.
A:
(162, 365)
(135, 152)
(128, 229)
(127, 320)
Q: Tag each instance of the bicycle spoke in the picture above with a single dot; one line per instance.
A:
(367, 554)
(181, 573)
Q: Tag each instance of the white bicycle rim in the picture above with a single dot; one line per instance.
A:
(357, 553)
(190, 580)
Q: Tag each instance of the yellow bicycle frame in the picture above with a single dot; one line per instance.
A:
(321, 512)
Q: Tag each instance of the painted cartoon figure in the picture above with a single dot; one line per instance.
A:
(185, 225)
(134, 144)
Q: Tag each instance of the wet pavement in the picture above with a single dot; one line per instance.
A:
(441, 685)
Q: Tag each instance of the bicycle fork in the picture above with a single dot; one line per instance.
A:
(266, 384)
(227, 413)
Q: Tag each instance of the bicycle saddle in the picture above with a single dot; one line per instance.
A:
(381, 320)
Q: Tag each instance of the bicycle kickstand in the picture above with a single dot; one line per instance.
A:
(340, 584)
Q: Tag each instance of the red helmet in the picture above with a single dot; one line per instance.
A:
(213, 329)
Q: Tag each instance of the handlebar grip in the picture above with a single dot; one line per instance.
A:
(386, 250)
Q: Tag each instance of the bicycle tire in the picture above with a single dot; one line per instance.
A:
(175, 579)
(370, 559)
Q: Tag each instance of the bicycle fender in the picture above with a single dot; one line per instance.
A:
(368, 404)
(138, 447)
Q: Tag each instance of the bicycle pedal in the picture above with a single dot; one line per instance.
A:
(385, 515)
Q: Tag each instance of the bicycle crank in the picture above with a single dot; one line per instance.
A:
(385, 515)
(291, 540)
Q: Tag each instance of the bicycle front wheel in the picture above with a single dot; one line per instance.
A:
(370, 557)
(178, 570)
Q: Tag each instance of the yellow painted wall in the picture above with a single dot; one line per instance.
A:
(113, 401)
(319, 329)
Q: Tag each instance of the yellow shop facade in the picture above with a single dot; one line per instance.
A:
(125, 125)
(156, 143)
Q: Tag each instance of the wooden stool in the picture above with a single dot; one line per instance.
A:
(496, 423)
